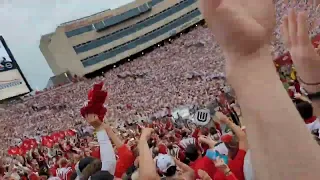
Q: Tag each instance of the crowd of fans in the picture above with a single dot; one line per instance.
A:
(45, 136)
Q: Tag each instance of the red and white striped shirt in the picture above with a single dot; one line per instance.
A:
(64, 173)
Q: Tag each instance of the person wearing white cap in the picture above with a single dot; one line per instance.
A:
(165, 164)
(172, 168)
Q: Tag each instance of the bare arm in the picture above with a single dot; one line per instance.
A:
(273, 124)
(305, 58)
(243, 141)
(147, 167)
(189, 172)
(113, 136)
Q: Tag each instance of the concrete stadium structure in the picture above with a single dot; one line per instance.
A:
(88, 44)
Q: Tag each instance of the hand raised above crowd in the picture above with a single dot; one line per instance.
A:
(252, 22)
(94, 121)
(296, 38)
(146, 133)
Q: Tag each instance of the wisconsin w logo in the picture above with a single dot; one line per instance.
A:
(202, 117)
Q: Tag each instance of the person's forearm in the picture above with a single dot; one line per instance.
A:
(107, 154)
(147, 168)
(113, 136)
(237, 130)
(282, 147)
(183, 167)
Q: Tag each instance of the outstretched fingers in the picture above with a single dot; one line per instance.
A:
(295, 29)
(303, 33)
(285, 32)
(208, 8)
(292, 26)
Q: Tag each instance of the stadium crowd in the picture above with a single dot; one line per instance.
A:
(46, 136)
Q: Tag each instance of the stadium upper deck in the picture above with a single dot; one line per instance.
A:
(91, 43)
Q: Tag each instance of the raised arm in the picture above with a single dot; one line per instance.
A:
(243, 141)
(113, 136)
(243, 28)
(107, 154)
(306, 60)
(147, 167)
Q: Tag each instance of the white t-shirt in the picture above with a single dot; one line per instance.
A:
(247, 167)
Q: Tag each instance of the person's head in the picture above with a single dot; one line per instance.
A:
(155, 151)
(305, 109)
(212, 131)
(102, 175)
(192, 152)
(91, 168)
(44, 172)
(63, 162)
(82, 164)
(232, 143)
(166, 165)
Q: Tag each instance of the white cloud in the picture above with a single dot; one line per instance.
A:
(23, 23)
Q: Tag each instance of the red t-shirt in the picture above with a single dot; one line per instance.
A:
(126, 160)
(235, 165)
(204, 164)
(53, 171)
(95, 152)
(33, 176)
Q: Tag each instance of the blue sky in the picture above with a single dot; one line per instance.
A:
(23, 22)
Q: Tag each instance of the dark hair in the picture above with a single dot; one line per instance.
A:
(130, 171)
(73, 176)
(171, 171)
(102, 175)
(305, 109)
(44, 171)
(213, 131)
(91, 168)
(192, 152)
(184, 134)
(83, 163)
(151, 143)
(161, 135)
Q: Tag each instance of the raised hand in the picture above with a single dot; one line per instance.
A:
(205, 139)
(222, 118)
(241, 27)
(93, 120)
(146, 133)
(296, 38)
(221, 165)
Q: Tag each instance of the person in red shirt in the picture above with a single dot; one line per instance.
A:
(221, 166)
(64, 171)
(193, 153)
(126, 156)
(235, 163)
(125, 160)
